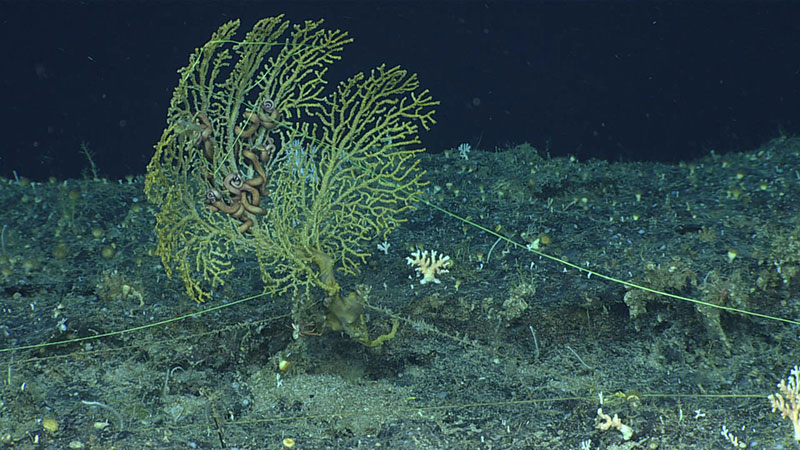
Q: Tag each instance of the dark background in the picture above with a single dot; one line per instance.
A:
(613, 80)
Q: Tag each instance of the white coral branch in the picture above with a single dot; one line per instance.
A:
(787, 401)
(429, 265)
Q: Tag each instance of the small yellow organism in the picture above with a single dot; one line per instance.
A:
(50, 424)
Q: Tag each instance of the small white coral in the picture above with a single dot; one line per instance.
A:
(463, 151)
(606, 422)
(787, 401)
(429, 264)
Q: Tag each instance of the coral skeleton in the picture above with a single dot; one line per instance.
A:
(429, 265)
(787, 401)
(607, 422)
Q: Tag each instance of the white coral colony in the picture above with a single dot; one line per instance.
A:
(429, 264)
